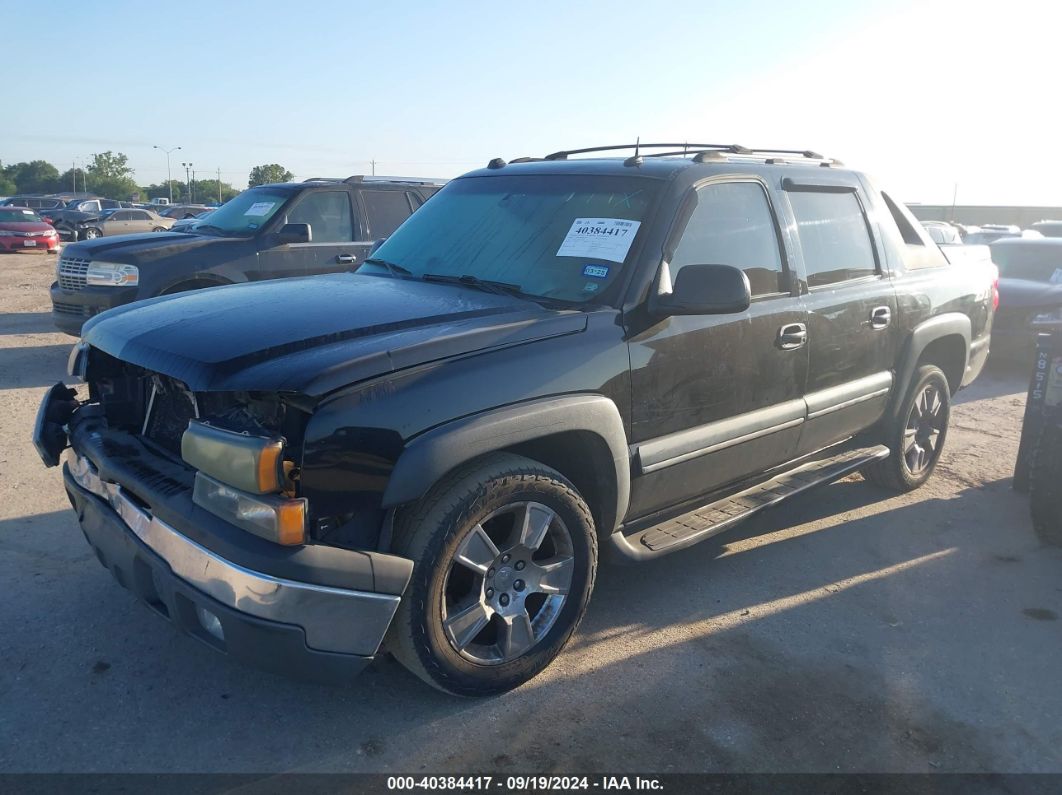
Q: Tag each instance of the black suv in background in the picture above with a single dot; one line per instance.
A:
(552, 356)
(267, 232)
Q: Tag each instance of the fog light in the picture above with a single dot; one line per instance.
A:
(210, 622)
(270, 517)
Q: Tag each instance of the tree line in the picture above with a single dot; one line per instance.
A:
(109, 175)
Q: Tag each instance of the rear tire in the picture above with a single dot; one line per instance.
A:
(916, 437)
(504, 558)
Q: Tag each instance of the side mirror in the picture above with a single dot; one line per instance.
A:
(376, 244)
(705, 290)
(294, 233)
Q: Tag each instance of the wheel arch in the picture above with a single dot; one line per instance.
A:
(943, 341)
(196, 283)
(581, 436)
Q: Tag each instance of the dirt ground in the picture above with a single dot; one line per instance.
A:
(850, 630)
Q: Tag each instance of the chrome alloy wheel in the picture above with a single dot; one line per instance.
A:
(507, 583)
(921, 436)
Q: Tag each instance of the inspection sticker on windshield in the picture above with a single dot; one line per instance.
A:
(259, 208)
(599, 238)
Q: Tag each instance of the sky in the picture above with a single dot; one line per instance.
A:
(934, 99)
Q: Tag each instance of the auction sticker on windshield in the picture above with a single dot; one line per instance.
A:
(599, 238)
(260, 208)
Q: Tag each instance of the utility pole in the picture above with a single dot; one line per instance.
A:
(954, 196)
(73, 170)
(373, 164)
(219, 184)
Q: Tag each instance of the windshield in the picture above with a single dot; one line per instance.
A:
(1034, 263)
(107, 213)
(561, 237)
(244, 215)
(17, 215)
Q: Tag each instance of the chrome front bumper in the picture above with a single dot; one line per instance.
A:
(333, 620)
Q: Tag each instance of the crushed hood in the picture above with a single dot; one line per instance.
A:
(316, 334)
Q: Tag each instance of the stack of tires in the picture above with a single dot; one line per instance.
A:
(1039, 468)
(1045, 484)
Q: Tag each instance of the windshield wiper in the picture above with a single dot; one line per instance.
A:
(486, 285)
(394, 268)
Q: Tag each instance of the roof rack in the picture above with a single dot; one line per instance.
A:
(363, 178)
(701, 152)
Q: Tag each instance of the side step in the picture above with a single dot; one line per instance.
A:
(715, 517)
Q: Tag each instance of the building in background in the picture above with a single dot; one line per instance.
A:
(977, 214)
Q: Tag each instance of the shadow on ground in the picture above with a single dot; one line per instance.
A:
(806, 639)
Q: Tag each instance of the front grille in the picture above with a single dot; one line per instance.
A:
(72, 273)
(72, 309)
(169, 407)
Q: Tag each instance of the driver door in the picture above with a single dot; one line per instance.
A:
(717, 398)
(330, 216)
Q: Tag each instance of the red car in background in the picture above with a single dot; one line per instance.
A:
(21, 229)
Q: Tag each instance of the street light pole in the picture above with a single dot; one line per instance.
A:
(169, 180)
(188, 179)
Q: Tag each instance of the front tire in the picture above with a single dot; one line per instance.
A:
(916, 438)
(504, 558)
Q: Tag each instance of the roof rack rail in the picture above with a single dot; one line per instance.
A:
(701, 152)
(364, 178)
(564, 153)
(402, 180)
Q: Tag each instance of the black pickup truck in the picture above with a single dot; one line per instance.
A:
(553, 355)
(267, 232)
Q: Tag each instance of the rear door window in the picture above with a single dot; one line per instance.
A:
(834, 236)
(385, 210)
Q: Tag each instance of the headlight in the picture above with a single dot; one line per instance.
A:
(50, 233)
(5, 233)
(250, 463)
(112, 274)
(277, 519)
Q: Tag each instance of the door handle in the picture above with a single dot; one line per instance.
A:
(880, 317)
(346, 258)
(792, 336)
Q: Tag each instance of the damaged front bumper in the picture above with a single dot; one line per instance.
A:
(314, 612)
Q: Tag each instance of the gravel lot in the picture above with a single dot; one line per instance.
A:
(850, 630)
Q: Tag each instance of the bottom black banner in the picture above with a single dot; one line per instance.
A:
(715, 784)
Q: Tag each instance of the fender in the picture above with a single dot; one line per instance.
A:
(432, 454)
(945, 325)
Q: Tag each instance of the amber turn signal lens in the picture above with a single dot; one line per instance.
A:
(270, 472)
(291, 523)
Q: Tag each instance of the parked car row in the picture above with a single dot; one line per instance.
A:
(1030, 269)
(551, 359)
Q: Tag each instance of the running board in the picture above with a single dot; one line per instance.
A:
(715, 517)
